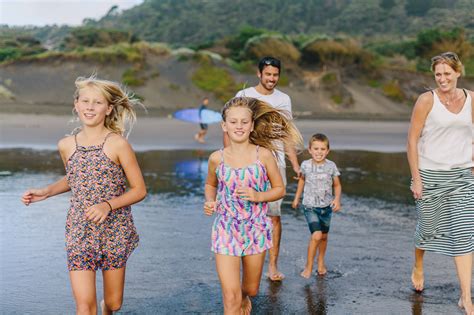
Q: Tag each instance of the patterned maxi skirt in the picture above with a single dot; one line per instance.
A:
(446, 212)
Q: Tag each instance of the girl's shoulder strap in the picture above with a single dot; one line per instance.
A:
(222, 155)
(75, 140)
(106, 137)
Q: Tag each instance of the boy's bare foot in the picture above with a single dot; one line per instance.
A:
(417, 279)
(246, 306)
(322, 270)
(306, 273)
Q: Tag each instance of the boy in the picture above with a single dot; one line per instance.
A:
(319, 178)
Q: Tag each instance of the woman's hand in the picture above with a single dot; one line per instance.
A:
(209, 207)
(98, 213)
(247, 193)
(34, 195)
(416, 188)
(295, 203)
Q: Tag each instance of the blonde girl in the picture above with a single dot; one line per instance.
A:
(99, 162)
(241, 180)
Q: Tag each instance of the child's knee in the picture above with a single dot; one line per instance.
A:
(114, 305)
(316, 236)
(232, 297)
(253, 291)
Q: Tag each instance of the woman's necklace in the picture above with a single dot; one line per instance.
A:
(449, 101)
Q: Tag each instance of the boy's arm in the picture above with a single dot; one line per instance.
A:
(299, 191)
(336, 184)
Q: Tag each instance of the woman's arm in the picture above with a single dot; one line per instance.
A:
(420, 112)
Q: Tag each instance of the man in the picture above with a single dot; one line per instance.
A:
(199, 137)
(268, 74)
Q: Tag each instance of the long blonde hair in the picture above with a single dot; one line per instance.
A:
(123, 116)
(270, 124)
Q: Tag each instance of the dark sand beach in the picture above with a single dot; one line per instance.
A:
(172, 271)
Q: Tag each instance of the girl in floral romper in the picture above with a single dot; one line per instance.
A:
(241, 180)
(100, 233)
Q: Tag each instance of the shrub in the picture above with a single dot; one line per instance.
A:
(393, 90)
(271, 45)
(214, 79)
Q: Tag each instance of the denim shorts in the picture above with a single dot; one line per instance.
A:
(319, 219)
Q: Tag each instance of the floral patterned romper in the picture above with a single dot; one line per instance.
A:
(93, 178)
(241, 227)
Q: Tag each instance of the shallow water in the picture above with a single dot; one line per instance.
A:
(172, 271)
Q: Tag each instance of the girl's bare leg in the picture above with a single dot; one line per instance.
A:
(84, 291)
(228, 270)
(114, 283)
(252, 274)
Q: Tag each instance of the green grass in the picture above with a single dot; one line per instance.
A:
(213, 79)
(131, 78)
(393, 90)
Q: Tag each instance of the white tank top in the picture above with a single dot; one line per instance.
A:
(446, 139)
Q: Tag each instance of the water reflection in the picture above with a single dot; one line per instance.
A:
(416, 303)
(367, 174)
(316, 297)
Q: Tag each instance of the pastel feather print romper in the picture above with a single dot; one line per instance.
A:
(94, 178)
(241, 227)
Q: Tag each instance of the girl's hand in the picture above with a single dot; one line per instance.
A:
(98, 213)
(336, 205)
(247, 193)
(209, 207)
(416, 188)
(34, 195)
(295, 204)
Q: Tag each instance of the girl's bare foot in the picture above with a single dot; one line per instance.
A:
(306, 273)
(246, 306)
(417, 279)
(469, 310)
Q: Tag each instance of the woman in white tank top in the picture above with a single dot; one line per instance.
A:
(440, 155)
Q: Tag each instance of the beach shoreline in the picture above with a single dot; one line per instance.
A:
(42, 132)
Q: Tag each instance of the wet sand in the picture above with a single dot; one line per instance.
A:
(155, 133)
(172, 271)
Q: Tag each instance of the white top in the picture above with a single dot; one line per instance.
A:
(278, 100)
(446, 138)
(318, 182)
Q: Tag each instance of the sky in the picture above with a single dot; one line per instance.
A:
(49, 12)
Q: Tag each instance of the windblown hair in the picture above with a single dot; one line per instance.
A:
(270, 124)
(449, 58)
(123, 116)
(319, 137)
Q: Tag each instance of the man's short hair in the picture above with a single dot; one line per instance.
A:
(269, 61)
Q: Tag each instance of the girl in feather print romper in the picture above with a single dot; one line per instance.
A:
(241, 179)
(100, 233)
